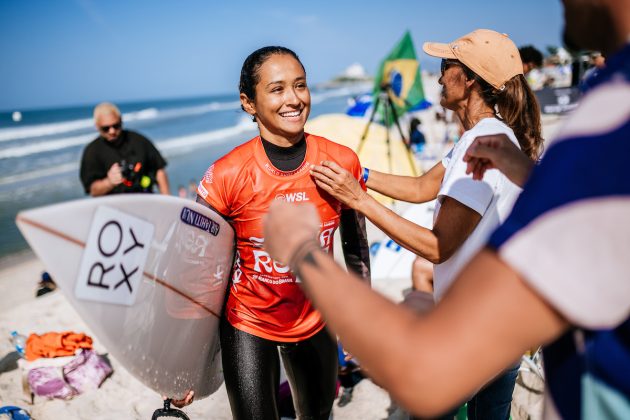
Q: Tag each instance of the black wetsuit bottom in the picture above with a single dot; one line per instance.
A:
(251, 367)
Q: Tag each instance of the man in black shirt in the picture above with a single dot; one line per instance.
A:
(120, 161)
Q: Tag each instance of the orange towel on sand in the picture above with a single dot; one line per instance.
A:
(54, 344)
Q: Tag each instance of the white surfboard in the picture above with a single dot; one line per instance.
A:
(390, 260)
(148, 274)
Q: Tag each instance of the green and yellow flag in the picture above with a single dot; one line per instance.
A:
(399, 75)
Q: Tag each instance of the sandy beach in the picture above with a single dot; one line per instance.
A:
(121, 395)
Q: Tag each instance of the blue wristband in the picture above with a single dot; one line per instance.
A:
(366, 175)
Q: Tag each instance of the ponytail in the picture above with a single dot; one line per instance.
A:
(517, 107)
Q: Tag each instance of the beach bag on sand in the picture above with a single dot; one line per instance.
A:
(49, 382)
(84, 372)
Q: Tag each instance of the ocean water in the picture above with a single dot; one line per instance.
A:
(40, 155)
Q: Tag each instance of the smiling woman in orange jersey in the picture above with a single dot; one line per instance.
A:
(265, 309)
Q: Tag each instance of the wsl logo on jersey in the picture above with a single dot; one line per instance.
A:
(292, 197)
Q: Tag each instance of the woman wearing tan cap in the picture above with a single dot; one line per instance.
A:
(482, 82)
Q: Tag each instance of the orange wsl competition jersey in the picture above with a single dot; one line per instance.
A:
(264, 298)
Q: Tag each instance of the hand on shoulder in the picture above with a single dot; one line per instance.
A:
(497, 151)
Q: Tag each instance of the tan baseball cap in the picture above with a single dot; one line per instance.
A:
(491, 55)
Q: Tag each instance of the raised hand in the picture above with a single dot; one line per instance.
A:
(114, 174)
(497, 151)
(287, 227)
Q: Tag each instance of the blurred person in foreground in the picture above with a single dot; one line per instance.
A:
(120, 161)
(555, 273)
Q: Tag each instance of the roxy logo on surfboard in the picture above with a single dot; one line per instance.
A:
(115, 254)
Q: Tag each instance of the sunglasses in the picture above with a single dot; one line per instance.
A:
(106, 128)
(447, 63)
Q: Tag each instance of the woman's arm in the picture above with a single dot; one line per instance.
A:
(413, 189)
(203, 202)
(346, 188)
(416, 357)
(454, 224)
(354, 243)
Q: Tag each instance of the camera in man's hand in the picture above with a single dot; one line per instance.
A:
(134, 177)
(130, 172)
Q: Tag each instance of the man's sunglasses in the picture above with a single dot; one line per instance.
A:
(106, 128)
(446, 63)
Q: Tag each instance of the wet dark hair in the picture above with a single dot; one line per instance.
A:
(252, 64)
(529, 54)
(517, 107)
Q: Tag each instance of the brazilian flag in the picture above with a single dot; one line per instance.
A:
(399, 75)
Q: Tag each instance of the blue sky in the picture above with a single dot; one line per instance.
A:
(68, 52)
